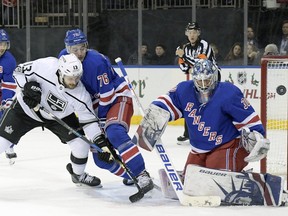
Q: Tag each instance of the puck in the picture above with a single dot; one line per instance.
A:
(281, 90)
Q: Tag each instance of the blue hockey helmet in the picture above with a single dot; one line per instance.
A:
(205, 78)
(4, 37)
(74, 37)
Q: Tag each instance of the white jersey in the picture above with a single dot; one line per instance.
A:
(55, 97)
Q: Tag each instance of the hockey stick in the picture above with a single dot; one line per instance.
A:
(172, 174)
(125, 75)
(64, 124)
(134, 197)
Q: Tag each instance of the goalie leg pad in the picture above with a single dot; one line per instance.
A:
(186, 200)
(151, 127)
(166, 187)
(234, 188)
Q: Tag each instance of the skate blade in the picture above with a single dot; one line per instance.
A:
(12, 162)
(85, 185)
(186, 142)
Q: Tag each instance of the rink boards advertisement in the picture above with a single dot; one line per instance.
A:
(149, 83)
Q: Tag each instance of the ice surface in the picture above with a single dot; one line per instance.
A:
(39, 185)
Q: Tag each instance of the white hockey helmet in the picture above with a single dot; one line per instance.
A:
(70, 66)
(205, 78)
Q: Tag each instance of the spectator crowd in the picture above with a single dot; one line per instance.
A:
(160, 55)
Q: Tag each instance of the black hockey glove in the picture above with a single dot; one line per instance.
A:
(103, 143)
(32, 94)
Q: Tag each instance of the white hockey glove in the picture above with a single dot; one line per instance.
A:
(255, 144)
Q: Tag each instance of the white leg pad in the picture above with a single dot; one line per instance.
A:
(185, 200)
(166, 187)
(234, 188)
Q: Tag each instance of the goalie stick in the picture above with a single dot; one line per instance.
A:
(134, 197)
(172, 174)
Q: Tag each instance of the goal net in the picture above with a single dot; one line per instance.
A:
(274, 112)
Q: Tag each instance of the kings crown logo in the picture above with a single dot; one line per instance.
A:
(9, 129)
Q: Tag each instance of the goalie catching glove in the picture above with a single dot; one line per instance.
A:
(103, 143)
(32, 94)
(255, 144)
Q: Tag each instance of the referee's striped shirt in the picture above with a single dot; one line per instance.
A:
(193, 53)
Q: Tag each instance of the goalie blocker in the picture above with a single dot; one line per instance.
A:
(151, 127)
(234, 188)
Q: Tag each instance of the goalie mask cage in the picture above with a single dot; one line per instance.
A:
(274, 112)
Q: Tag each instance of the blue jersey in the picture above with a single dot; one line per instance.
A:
(101, 81)
(215, 123)
(7, 66)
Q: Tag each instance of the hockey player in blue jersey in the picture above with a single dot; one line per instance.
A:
(112, 101)
(216, 114)
(8, 86)
(225, 135)
(7, 66)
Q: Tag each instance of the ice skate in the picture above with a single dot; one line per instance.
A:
(11, 155)
(145, 182)
(128, 182)
(182, 140)
(84, 179)
(284, 198)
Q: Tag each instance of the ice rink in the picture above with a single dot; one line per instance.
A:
(39, 185)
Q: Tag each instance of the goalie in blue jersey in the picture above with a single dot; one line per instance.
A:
(216, 114)
(225, 134)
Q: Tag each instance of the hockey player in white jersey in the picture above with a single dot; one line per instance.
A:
(56, 86)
